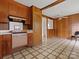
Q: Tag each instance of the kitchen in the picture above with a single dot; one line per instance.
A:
(17, 26)
(39, 29)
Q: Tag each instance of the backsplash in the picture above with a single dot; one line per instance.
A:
(15, 26)
(4, 26)
(25, 27)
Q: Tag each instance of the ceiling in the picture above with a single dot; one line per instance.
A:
(68, 7)
(37, 3)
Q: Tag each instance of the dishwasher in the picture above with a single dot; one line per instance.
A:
(19, 39)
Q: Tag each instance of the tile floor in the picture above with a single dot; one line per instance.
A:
(54, 49)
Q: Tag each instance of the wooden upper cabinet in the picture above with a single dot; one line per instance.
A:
(29, 15)
(3, 10)
(19, 10)
(16, 9)
(12, 8)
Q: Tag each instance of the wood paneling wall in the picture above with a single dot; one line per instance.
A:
(63, 28)
(74, 23)
(66, 27)
(50, 32)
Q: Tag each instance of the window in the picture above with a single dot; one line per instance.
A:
(50, 24)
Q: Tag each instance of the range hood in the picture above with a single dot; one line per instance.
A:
(17, 19)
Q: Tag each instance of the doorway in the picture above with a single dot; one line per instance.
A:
(44, 30)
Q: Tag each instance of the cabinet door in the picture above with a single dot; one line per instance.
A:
(17, 9)
(29, 16)
(8, 38)
(12, 9)
(22, 11)
(4, 47)
(0, 47)
(7, 44)
(3, 10)
(30, 39)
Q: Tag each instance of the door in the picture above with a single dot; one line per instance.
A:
(37, 29)
(44, 30)
(37, 25)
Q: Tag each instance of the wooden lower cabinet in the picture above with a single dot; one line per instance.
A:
(0, 46)
(30, 39)
(5, 45)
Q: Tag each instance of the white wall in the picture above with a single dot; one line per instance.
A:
(44, 30)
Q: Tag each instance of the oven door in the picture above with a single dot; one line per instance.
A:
(19, 39)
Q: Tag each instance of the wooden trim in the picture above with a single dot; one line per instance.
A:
(53, 4)
(48, 17)
(4, 22)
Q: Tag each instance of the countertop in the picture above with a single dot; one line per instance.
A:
(17, 32)
(5, 32)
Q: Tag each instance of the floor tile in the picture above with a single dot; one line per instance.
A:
(44, 48)
(45, 53)
(55, 53)
(40, 56)
(22, 58)
(40, 50)
(16, 53)
(35, 53)
(56, 48)
(51, 57)
(29, 56)
(63, 56)
(32, 50)
(49, 50)
(25, 53)
(23, 50)
(74, 57)
(18, 56)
